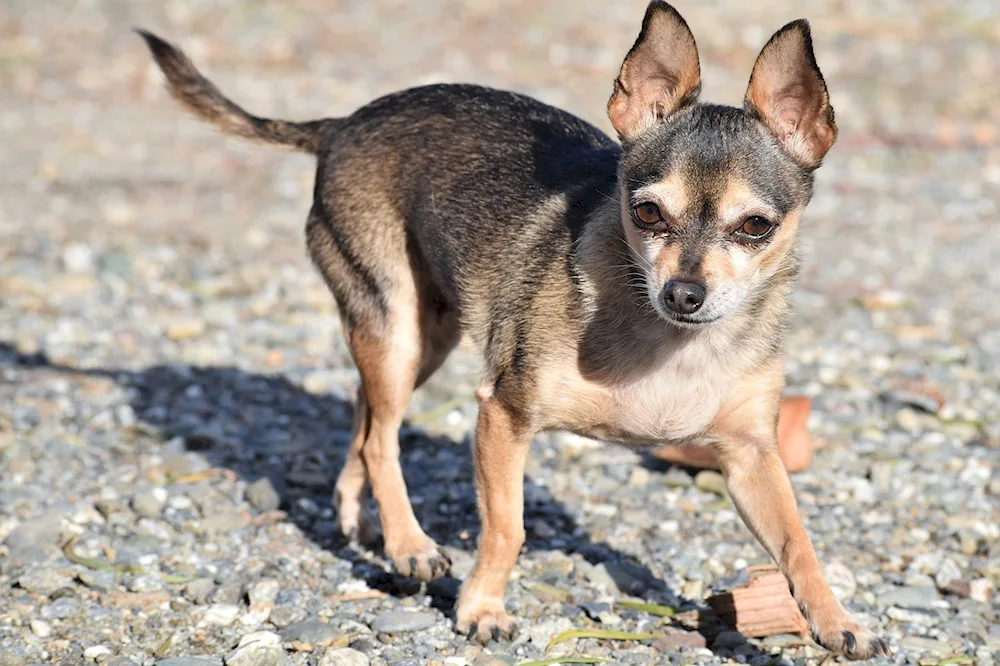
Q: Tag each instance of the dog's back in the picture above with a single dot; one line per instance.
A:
(470, 183)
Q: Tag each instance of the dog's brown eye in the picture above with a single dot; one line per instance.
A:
(756, 227)
(647, 215)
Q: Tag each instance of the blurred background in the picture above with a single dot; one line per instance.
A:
(159, 321)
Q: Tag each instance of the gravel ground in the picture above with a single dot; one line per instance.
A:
(175, 395)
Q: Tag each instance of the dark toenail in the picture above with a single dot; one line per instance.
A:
(473, 630)
(852, 642)
(496, 633)
(514, 631)
(413, 566)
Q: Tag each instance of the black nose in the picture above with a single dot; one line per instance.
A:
(683, 297)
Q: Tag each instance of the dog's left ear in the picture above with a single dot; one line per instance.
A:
(788, 93)
(660, 74)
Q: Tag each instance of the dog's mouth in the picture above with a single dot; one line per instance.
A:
(688, 321)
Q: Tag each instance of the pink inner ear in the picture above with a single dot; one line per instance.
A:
(789, 108)
(788, 113)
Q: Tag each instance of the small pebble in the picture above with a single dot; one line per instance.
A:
(262, 496)
(710, 481)
(220, 614)
(41, 628)
(344, 657)
(395, 622)
(97, 653)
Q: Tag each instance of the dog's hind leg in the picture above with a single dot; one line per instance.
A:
(399, 331)
(390, 368)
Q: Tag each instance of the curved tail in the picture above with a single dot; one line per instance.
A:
(203, 99)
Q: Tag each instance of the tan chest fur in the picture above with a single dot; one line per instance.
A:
(677, 398)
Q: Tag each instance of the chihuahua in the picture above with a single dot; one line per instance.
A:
(631, 291)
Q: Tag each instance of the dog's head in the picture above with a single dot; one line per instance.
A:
(711, 195)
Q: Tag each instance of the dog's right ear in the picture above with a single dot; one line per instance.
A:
(660, 74)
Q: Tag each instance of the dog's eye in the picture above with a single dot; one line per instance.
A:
(755, 228)
(647, 215)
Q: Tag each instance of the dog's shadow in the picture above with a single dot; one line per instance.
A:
(264, 425)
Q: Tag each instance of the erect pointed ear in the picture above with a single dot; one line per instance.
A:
(788, 93)
(660, 74)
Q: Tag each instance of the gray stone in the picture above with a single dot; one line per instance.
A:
(100, 580)
(677, 478)
(263, 592)
(145, 583)
(728, 640)
(920, 401)
(397, 622)
(44, 581)
(61, 608)
(262, 648)
(230, 593)
(198, 590)
(288, 596)
(283, 616)
(783, 640)
(182, 464)
(30, 539)
(189, 661)
(710, 481)
(947, 572)
(841, 579)
(343, 657)
(599, 576)
(621, 577)
(149, 504)
(262, 496)
(676, 640)
(919, 617)
(220, 614)
(223, 521)
(921, 598)
(923, 645)
(311, 631)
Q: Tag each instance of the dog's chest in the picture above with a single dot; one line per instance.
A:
(674, 400)
(670, 404)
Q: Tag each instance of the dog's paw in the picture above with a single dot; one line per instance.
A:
(423, 561)
(488, 621)
(357, 523)
(852, 640)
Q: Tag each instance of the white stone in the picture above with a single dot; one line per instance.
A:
(841, 580)
(96, 652)
(41, 628)
(347, 657)
(261, 639)
(981, 590)
(262, 592)
(220, 615)
(78, 258)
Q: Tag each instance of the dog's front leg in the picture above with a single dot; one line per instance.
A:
(501, 450)
(758, 483)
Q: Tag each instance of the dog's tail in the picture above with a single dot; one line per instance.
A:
(200, 96)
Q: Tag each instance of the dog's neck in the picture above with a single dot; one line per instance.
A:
(622, 337)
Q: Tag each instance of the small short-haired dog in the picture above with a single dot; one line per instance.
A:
(634, 291)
